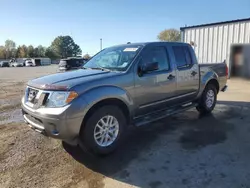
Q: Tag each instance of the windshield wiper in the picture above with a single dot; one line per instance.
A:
(84, 68)
(96, 68)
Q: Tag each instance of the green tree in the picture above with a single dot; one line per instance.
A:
(36, 53)
(76, 51)
(22, 51)
(30, 51)
(86, 56)
(9, 49)
(64, 46)
(40, 51)
(171, 35)
(51, 54)
(2, 52)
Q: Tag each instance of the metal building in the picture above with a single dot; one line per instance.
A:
(214, 42)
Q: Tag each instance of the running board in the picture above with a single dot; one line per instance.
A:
(162, 114)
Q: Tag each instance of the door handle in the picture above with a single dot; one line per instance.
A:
(170, 77)
(193, 73)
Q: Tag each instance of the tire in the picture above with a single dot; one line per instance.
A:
(94, 145)
(208, 100)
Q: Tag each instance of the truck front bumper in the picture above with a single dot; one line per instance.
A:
(53, 122)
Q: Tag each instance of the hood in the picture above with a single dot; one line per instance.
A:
(66, 80)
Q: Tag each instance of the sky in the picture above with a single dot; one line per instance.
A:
(38, 22)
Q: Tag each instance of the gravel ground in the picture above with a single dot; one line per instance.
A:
(185, 150)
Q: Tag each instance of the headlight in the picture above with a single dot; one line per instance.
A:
(60, 98)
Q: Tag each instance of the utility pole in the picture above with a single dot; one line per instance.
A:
(100, 44)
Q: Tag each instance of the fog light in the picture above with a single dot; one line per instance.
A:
(55, 132)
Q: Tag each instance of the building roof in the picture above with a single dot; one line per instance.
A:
(216, 23)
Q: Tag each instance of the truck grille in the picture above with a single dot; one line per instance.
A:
(35, 98)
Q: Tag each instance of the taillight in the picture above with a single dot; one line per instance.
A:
(226, 70)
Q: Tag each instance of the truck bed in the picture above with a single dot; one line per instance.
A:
(219, 68)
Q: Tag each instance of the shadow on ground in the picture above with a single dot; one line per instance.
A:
(192, 133)
(235, 103)
(137, 140)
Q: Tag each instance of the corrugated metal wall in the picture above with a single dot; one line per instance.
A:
(212, 43)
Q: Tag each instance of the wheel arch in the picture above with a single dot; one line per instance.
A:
(109, 101)
(215, 83)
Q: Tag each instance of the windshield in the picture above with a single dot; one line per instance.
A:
(114, 58)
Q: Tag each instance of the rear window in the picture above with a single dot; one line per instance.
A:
(182, 56)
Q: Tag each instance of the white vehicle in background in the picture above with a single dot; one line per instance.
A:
(15, 63)
(29, 63)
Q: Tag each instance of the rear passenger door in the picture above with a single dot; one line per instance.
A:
(187, 72)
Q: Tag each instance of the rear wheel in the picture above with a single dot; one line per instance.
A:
(208, 99)
(103, 130)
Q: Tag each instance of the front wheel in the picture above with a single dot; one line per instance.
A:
(208, 99)
(103, 130)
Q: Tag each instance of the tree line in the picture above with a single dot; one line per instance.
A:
(61, 47)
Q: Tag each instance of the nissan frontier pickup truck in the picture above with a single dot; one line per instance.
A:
(131, 84)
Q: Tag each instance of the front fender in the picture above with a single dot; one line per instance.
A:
(100, 93)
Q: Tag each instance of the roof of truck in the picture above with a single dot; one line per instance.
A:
(147, 43)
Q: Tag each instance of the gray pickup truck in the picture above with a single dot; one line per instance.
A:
(132, 84)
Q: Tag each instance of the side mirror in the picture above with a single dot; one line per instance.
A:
(151, 67)
(142, 69)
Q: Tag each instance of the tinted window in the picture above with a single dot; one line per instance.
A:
(188, 56)
(182, 56)
(159, 55)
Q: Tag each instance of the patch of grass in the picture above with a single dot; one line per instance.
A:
(8, 107)
(5, 117)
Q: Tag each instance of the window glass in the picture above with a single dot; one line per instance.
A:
(159, 55)
(182, 56)
(188, 56)
(114, 58)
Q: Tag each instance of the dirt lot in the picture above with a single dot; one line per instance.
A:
(185, 150)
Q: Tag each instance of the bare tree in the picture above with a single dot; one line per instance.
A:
(10, 47)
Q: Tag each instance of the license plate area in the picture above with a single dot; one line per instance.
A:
(32, 95)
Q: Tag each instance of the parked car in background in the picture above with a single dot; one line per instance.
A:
(29, 63)
(4, 64)
(132, 84)
(71, 63)
(15, 63)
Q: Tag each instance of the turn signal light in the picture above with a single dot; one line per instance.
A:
(72, 96)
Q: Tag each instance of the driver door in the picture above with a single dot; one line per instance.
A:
(153, 89)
